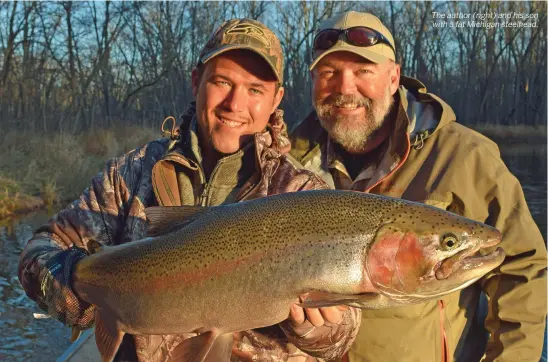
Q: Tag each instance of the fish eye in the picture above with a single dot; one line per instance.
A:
(449, 242)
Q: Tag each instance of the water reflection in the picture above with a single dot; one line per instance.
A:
(23, 337)
(528, 164)
(27, 339)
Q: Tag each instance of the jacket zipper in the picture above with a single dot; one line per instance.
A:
(444, 349)
(402, 161)
(204, 197)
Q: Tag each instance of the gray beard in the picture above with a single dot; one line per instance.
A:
(353, 133)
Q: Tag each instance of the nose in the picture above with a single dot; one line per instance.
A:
(235, 100)
(346, 82)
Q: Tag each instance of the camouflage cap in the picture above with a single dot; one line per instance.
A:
(250, 35)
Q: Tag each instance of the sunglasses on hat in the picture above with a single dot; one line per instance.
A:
(359, 36)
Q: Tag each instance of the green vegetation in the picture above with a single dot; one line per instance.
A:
(38, 170)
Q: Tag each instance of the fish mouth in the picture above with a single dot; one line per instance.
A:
(478, 260)
(471, 260)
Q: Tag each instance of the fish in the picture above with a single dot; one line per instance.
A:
(217, 270)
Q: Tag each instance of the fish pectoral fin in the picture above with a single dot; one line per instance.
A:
(207, 347)
(321, 299)
(221, 349)
(93, 246)
(107, 336)
(167, 219)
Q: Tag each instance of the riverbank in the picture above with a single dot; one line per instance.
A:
(45, 170)
(39, 170)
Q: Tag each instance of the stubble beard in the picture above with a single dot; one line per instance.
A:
(353, 132)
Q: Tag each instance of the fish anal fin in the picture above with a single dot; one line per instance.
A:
(320, 299)
(75, 334)
(107, 336)
(166, 219)
(206, 347)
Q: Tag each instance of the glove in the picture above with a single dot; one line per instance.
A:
(325, 333)
(57, 294)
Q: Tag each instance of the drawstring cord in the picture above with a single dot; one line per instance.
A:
(173, 133)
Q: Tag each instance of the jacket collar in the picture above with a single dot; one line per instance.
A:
(311, 143)
(185, 151)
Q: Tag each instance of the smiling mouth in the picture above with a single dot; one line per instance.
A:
(348, 106)
(230, 123)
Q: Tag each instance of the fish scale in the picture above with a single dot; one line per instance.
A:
(241, 266)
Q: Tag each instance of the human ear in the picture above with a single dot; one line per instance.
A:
(394, 78)
(278, 99)
(195, 81)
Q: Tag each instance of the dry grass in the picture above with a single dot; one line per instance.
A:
(9, 192)
(39, 170)
(58, 167)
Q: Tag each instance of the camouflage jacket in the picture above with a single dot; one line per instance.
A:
(168, 172)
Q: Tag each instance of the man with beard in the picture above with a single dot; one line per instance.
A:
(231, 145)
(376, 131)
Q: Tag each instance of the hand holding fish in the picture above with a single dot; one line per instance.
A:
(310, 329)
(314, 329)
(316, 316)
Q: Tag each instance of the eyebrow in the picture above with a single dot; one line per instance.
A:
(257, 85)
(252, 84)
(213, 76)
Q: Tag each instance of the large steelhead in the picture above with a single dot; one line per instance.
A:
(234, 267)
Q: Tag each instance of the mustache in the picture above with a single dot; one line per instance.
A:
(342, 99)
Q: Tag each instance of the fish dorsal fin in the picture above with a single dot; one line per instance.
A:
(321, 299)
(166, 219)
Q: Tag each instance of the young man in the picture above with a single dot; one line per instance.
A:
(374, 131)
(229, 147)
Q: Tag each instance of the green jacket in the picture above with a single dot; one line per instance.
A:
(442, 163)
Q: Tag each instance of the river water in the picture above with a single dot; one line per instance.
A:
(24, 338)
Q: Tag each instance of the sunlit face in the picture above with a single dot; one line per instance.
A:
(352, 97)
(235, 96)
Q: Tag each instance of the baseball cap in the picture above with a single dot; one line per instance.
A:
(250, 35)
(378, 53)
